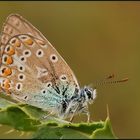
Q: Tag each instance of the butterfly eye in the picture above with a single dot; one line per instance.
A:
(53, 58)
(19, 86)
(63, 77)
(49, 84)
(86, 90)
(39, 53)
(21, 77)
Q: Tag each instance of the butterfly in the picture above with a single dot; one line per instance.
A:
(34, 73)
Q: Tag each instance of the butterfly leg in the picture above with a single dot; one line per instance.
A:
(88, 117)
(85, 111)
(49, 117)
(71, 119)
(46, 116)
(61, 121)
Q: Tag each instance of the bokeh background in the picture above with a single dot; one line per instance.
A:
(96, 39)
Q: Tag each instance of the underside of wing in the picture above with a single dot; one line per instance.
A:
(31, 69)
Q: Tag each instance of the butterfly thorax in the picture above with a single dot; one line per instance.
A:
(78, 103)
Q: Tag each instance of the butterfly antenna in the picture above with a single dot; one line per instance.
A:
(110, 82)
(110, 76)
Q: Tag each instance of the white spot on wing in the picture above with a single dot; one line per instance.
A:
(3, 58)
(13, 39)
(7, 47)
(1, 80)
(43, 91)
(49, 84)
(22, 59)
(23, 37)
(19, 86)
(41, 72)
(27, 53)
(39, 53)
(63, 77)
(21, 77)
(21, 68)
(53, 58)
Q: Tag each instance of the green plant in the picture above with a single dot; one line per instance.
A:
(27, 118)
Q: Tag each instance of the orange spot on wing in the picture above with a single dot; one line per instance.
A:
(11, 51)
(6, 84)
(28, 41)
(7, 72)
(9, 60)
(17, 43)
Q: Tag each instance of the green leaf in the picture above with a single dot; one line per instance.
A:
(54, 131)
(27, 118)
(104, 133)
(17, 118)
(5, 103)
(75, 131)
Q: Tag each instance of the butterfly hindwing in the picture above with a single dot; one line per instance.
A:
(31, 66)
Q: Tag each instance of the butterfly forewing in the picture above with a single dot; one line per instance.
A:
(31, 64)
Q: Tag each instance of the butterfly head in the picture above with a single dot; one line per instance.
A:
(88, 94)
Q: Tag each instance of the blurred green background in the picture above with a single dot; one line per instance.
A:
(95, 39)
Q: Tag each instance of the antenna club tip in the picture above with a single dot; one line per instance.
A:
(125, 79)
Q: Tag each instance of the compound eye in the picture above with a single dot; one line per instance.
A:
(89, 90)
(86, 89)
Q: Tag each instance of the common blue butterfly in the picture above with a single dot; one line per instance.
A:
(33, 72)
